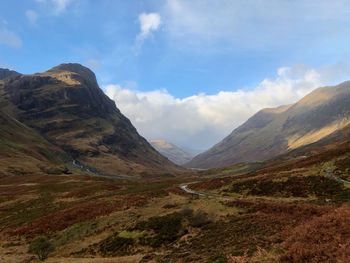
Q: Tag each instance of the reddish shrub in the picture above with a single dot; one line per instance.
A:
(62, 219)
(88, 189)
(322, 239)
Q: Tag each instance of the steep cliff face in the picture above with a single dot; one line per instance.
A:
(271, 132)
(67, 107)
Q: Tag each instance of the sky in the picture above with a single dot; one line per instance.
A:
(188, 71)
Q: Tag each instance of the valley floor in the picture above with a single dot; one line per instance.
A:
(291, 215)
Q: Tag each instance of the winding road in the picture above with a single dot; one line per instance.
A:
(184, 187)
(328, 172)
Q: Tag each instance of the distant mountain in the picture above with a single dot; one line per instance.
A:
(171, 151)
(66, 107)
(5, 73)
(272, 132)
(192, 151)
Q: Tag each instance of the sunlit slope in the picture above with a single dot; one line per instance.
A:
(271, 132)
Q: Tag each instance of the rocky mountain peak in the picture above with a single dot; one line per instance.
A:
(69, 72)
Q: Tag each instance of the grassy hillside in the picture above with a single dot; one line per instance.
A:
(23, 151)
(272, 132)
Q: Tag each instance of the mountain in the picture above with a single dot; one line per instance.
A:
(66, 107)
(5, 73)
(171, 151)
(272, 132)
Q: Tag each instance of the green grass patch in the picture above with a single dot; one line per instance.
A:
(75, 232)
(132, 234)
(166, 229)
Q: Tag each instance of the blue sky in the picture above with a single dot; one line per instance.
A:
(189, 51)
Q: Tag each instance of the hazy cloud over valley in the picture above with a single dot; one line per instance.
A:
(202, 120)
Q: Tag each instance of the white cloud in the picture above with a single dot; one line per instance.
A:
(7, 66)
(202, 120)
(32, 16)
(60, 5)
(242, 24)
(149, 23)
(9, 38)
(201, 20)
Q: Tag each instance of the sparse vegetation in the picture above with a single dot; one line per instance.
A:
(166, 229)
(169, 206)
(293, 186)
(199, 219)
(41, 247)
(116, 245)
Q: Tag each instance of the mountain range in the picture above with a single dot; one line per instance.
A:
(53, 118)
(275, 131)
(79, 183)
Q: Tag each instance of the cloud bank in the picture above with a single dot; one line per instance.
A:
(202, 120)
